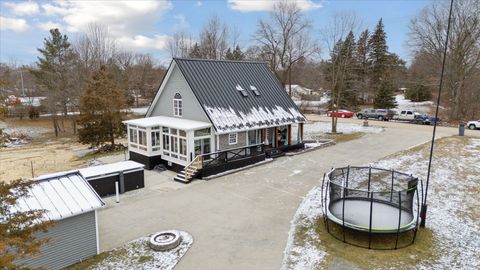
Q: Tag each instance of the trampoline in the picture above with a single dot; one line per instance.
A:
(371, 201)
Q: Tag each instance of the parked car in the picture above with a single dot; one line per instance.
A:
(473, 124)
(406, 115)
(425, 119)
(341, 113)
(379, 114)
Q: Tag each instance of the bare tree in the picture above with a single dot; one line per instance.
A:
(340, 26)
(285, 38)
(427, 38)
(179, 45)
(213, 39)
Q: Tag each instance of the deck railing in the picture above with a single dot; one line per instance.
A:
(223, 157)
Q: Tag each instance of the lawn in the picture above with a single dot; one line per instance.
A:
(451, 239)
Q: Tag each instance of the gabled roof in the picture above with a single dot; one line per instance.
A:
(60, 195)
(216, 85)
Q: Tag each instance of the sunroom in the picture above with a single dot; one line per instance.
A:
(168, 140)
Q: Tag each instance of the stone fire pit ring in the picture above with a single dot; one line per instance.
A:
(165, 240)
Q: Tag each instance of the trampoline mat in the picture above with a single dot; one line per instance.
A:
(357, 215)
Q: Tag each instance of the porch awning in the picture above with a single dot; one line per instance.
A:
(170, 122)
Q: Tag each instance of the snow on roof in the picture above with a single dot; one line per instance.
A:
(122, 166)
(170, 122)
(61, 196)
(230, 121)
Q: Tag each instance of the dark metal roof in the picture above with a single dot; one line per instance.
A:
(215, 84)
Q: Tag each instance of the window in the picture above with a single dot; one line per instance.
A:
(202, 132)
(166, 142)
(142, 137)
(133, 135)
(241, 90)
(253, 137)
(155, 138)
(177, 105)
(254, 90)
(232, 138)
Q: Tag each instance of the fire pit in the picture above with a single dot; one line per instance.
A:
(164, 240)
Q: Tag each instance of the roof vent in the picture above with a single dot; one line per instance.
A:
(254, 90)
(241, 90)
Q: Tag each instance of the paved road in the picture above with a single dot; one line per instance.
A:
(241, 221)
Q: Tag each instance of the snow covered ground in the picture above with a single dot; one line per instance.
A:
(138, 255)
(453, 225)
(314, 129)
(138, 111)
(406, 104)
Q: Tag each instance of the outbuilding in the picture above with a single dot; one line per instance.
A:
(128, 174)
(72, 203)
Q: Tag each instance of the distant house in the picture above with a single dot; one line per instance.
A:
(298, 91)
(209, 116)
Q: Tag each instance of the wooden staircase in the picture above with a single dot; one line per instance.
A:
(190, 171)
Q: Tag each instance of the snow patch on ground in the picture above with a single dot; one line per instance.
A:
(138, 111)
(138, 255)
(407, 104)
(311, 130)
(453, 207)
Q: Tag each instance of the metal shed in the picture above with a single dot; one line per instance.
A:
(70, 201)
(128, 174)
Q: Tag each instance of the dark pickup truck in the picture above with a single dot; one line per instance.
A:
(425, 119)
(379, 114)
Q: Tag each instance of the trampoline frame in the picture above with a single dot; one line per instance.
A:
(330, 217)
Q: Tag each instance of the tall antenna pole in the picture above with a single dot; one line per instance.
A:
(423, 213)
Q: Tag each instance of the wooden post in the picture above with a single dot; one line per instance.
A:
(289, 127)
(301, 132)
(276, 137)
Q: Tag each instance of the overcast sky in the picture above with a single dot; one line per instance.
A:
(145, 26)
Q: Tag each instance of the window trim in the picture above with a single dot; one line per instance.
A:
(230, 141)
(177, 105)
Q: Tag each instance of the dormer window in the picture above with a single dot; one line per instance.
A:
(177, 105)
(241, 90)
(254, 90)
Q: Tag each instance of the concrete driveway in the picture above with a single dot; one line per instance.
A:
(241, 221)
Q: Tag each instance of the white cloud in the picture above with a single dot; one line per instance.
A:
(158, 42)
(121, 17)
(267, 5)
(181, 22)
(46, 26)
(16, 25)
(125, 20)
(23, 8)
(199, 4)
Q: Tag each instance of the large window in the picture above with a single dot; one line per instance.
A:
(232, 138)
(133, 135)
(202, 132)
(177, 105)
(175, 143)
(155, 140)
(253, 137)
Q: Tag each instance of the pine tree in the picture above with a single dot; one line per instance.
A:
(378, 54)
(385, 98)
(18, 230)
(361, 58)
(101, 110)
(55, 67)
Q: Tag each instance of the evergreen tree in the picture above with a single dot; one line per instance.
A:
(18, 230)
(101, 110)
(195, 52)
(418, 92)
(384, 98)
(55, 68)
(361, 58)
(378, 55)
(237, 54)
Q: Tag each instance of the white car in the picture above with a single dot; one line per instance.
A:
(474, 124)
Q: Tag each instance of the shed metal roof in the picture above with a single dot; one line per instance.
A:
(215, 84)
(122, 166)
(61, 196)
